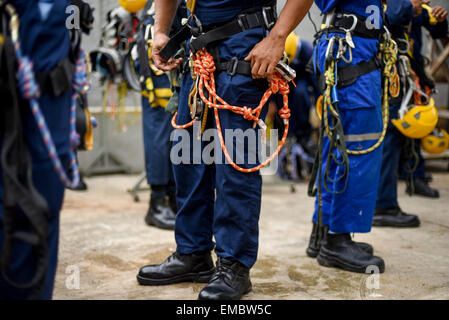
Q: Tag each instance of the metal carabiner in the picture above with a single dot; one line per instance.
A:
(330, 49)
(342, 49)
(348, 35)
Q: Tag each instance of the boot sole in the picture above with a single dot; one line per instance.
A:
(151, 222)
(331, 261)
(200, 277)
(235, 299)
(312, 253)
(415, 224)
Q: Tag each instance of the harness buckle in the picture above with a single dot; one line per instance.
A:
(232, 66)
(241, 20)
(268, 24)
(354, 24)
(288, 73)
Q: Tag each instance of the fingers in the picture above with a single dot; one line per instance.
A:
(165, 65)
(439, 13)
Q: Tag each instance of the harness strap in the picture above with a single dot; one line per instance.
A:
(266, 18)
(235, 66)
(58, 80)
(348, 75)
(342, 21)
(175, 42)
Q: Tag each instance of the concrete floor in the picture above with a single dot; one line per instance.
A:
(103, 235)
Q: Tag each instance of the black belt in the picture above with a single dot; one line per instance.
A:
(264, 18)
(348, 75)
(342, 21)
(58, 80)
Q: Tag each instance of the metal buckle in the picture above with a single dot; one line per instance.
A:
(265, 17)
(232, 66)
(288, 73)
(241, 22)
(354, 24)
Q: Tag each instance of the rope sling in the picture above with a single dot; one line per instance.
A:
(204, 77)
(30, 91)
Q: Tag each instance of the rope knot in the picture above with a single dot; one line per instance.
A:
(284, 113)
(247, 113)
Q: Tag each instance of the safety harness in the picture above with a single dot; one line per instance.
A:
(345, 25)
(19, 192)
(204, 66)
(415, 87)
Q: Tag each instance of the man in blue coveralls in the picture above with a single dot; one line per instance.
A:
(435, 21)
(300, 96)
(400, 14)
(215, 199)
(156, 136)
(46, 40)
(349, 208)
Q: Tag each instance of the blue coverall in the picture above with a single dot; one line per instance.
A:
(232, 214)
(46, 40)
(157, 129)
(399, 14)
(299, 97)
(360, 110)
(437, 31)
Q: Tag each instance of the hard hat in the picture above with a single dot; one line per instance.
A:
(291, 46)
(437, 142)
(319, 106)
(419, 121)
(132, 6)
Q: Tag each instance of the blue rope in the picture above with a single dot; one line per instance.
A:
(31, 92)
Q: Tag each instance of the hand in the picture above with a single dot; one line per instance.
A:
(265, 56)
(417, 6)
(439, 13)
(160, 40)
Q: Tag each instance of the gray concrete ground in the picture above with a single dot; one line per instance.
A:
(103, 235)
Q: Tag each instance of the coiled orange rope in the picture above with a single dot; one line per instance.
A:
(204, 68)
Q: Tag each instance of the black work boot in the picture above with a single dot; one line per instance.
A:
(195, 267)
(395, 217)
(339, 251)
(172, 201)
(313, 249)
(160, 214)
(422, 188)
(230, 282)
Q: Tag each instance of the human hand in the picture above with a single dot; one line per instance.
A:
(159, 42)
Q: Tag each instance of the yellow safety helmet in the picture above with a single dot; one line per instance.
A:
(132, 6)
(319, 106)
(437, 142)
(419, 121)
(291, 46)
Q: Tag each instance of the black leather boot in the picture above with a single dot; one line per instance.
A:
(395, 217)
(422, 188)
(230, 282)
(195, 267)
(160, 214)
(339, 251)
(314, 248)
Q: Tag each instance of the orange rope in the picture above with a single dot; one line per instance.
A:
(204, 68)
